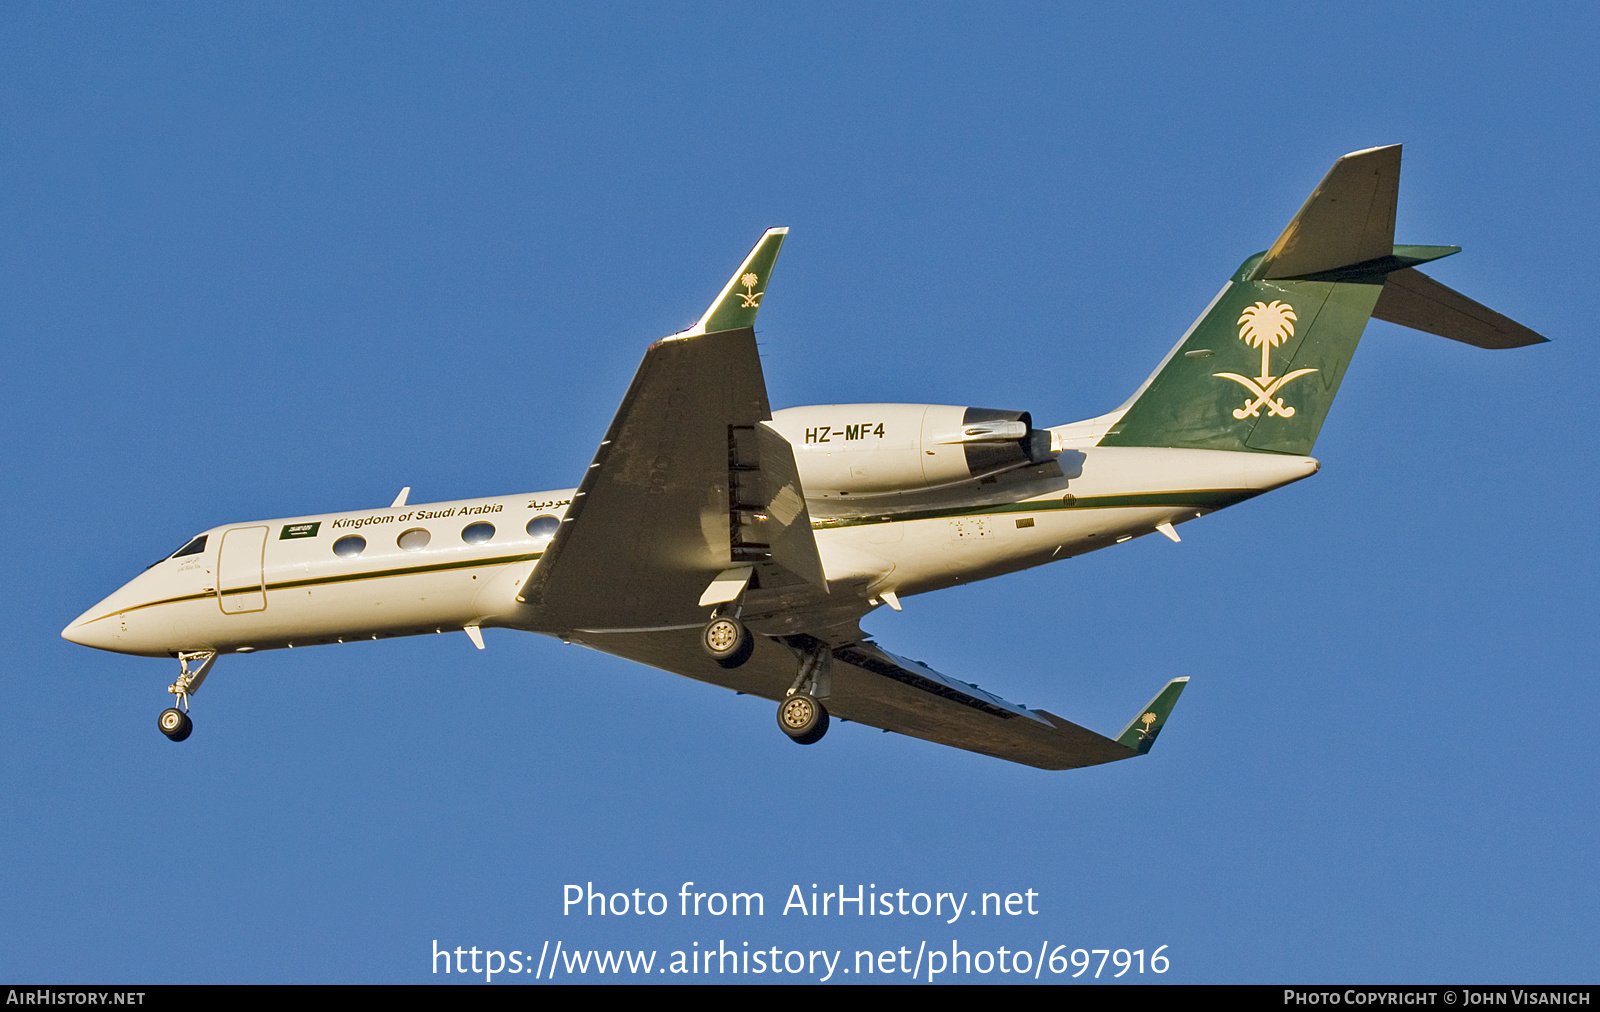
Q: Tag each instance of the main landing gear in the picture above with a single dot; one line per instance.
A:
(728, 642)
(175, 723)
(803, 718)
(801, 714)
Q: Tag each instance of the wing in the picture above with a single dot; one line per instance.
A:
(870, 685)
(693, 500)
(688, 484)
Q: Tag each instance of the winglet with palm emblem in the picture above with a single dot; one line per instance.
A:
(1141, 731)
(740, 299)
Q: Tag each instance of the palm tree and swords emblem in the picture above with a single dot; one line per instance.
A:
(751, 299)
(1265, 327)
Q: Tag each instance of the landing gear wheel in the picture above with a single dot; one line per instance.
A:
(803, 718)
(728, 642)
(175, 724)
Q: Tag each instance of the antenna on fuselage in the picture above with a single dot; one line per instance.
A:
(400, 500)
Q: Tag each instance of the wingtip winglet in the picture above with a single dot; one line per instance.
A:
(1376, 148)
(1141, 731)
(740, 299)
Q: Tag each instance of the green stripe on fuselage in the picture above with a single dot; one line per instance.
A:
(379, 574)
(1209, 499)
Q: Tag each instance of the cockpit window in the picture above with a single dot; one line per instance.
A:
(194, 547)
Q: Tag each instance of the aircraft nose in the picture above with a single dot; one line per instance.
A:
(100, 635)
(98, 627)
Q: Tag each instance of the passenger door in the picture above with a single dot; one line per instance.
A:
(241, 582)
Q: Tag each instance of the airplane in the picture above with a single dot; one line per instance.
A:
(718, 539)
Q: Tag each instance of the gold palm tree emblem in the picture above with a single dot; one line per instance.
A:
(751, 299)
(1266, 327)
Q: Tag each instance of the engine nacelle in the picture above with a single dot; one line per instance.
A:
(877, 449)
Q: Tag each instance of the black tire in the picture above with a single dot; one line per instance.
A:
(816, 733)
(747, 646)
(727, 641)
(174, 723)
(803, 718)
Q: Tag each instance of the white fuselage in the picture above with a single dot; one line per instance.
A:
(279, 583)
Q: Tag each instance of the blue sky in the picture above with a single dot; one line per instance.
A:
(268, 261)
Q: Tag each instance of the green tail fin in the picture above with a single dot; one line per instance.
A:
(1259, 370)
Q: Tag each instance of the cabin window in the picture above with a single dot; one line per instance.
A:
(478, 533)
(543, 526)
(414, 540)
(349, 546)
(194, 547)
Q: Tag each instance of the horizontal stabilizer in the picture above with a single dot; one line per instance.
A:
(1412, 299)
(1348, 219)
(1141, 732)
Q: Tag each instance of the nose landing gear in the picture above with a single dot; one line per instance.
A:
(173, 722)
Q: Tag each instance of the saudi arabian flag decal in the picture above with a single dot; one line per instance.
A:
(1265, 327)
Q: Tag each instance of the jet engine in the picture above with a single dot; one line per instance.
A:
(878, 449)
